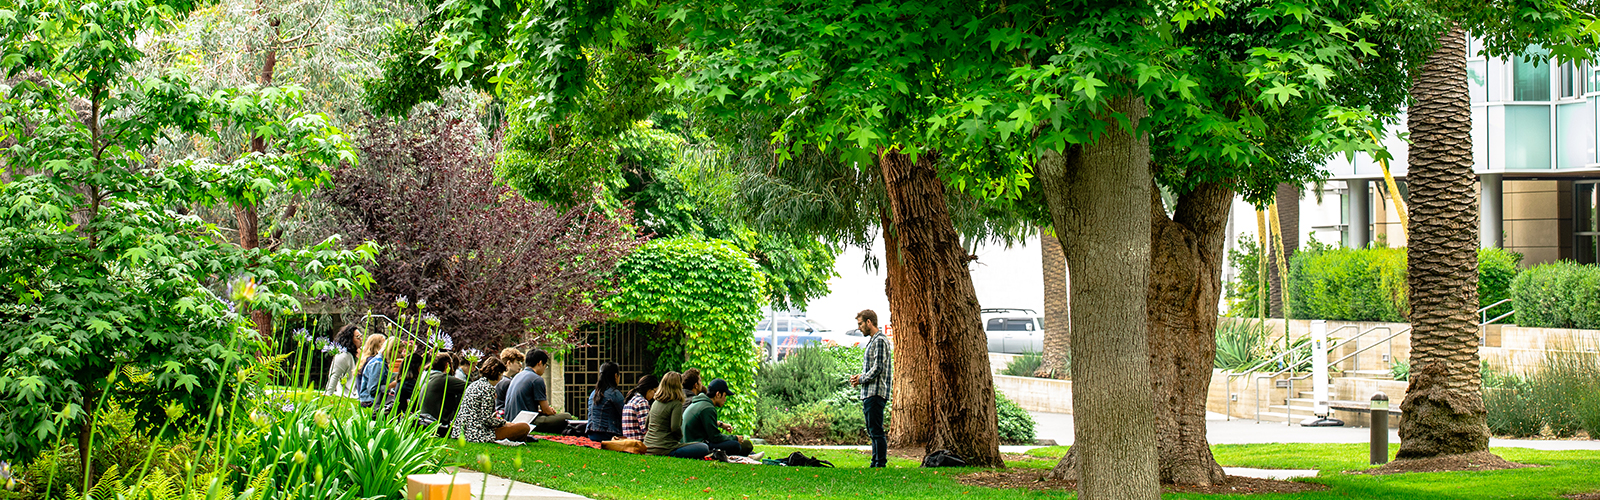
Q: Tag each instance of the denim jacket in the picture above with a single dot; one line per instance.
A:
(607, 415)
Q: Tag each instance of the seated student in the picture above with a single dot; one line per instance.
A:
(691, 384)
(475, 419)
(406, 392)
(527, 393)
(605, 405)
(348, 342)
(441, 393)
(700, 423)
(372, 374)
(664, 434)
(512, 358)
(462, 364)
(636, 412)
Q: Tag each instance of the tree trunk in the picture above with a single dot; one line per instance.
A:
(911, 414)
(1099, 198)
(250, 238)
(1444, 412)
(937, 307)
(1288, 200)
(1057, 324)
(1186, 253)
(91, 398)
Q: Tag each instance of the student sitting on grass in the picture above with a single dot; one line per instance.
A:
(527, 393)
(700, 420)
(475, 419)
(691, 384)
(374, 374)
(605, 405)
(512, 358)
(441, 392)
(665, 432)
(402, 404)
(636, 413)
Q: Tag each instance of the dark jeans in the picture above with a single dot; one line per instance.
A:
(600, 436)
(873, 407)
(696, 450)
(730, 446)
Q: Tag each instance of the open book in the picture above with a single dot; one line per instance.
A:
(524, 417)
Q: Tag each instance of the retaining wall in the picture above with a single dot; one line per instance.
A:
(1036, 394)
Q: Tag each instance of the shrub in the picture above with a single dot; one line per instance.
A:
(1016, 425)
(807, 398)
(1240, 345)
(1562, 394)
(1241, 294)
(1510, 411)
(807, 375)
(1558, 295)
(1497, 268)
(1365, 284)
(1400, 369)
(1024, 365)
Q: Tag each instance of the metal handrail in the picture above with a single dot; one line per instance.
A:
(1483, 313)
(1356, 339)
(1228, 380)
(1385, 341)
(1286, 369)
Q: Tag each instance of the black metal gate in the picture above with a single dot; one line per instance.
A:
(621, 343)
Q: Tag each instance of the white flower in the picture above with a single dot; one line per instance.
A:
(402, 301)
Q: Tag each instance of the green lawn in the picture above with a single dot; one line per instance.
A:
(610, 475)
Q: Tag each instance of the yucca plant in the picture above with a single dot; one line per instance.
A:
(376, 456)
(1240, 345)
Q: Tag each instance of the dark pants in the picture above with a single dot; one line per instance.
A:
(600, 436)
(730, 446)
(873, 407)
(696, 450)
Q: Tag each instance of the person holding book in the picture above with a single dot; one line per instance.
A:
(527, 394)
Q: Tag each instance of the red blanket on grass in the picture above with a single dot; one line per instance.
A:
(573, 440)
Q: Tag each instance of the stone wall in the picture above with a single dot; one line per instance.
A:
(1036, 394)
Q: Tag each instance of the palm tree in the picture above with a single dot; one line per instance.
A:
(1444, 412)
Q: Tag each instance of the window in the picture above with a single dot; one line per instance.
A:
(1572, 80)
(1586, 222)
(1530, 76)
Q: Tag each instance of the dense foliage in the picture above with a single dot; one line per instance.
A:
(1242, 294)
(1560, 394)
(106, 266)
(1369, 284)
(1558, 295)
(1241, 345)
(714, 293)
(1016, 425)
(496, 269)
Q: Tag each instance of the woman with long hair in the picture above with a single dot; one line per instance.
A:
(605, 405)
(636, 412)
(374, 374)
(665, 433)
(476, 420)
(348, 341)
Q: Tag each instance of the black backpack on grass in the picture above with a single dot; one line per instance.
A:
(943, 458)
(797, 459)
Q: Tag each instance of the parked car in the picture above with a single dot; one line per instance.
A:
(1013, 330)
(794, 333)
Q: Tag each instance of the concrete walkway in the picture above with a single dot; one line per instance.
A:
(499, 488)
(1058, 426)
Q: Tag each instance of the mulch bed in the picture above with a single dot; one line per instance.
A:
(1593, 495)
(1475, 461)
(1034, 480)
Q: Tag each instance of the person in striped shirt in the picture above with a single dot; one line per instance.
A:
(875, 382)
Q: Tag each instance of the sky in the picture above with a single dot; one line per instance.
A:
(1003, 277)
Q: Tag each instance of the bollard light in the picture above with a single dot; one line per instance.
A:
(1380, 429)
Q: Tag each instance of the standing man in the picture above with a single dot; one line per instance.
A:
(874, 381)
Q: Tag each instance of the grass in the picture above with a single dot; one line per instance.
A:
(610, 475)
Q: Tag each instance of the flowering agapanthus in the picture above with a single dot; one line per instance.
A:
(402, 301)
(429, 318)
(302, 335)
(326, 345)
(442, 341)
(473, 353)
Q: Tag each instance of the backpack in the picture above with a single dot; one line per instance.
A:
(943, 458)
(797, 459)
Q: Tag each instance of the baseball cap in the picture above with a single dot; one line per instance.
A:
(718, 386)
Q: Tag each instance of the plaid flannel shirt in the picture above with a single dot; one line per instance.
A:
(634, 416)
(876, 368)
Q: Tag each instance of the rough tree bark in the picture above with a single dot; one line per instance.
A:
(1057, 324)
(1444, 412)
(1186, 255)
(1288, 200)
(1099, 199)
(911, 412)
(249, 219)
(936, 306)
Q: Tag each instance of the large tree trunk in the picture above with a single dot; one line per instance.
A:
(937, 307)
(1099, 198)
(911, 414)
(1057, 324)
(1186, 254)
(1444, 412)
(1288, 200)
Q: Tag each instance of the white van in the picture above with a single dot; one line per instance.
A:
(1013, 330)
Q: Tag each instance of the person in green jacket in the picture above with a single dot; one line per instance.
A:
(700, 423)
(664, 428)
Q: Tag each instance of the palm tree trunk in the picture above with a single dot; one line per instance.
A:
(1444, 412)
(1057, 324)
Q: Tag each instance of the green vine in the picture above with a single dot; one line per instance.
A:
(714, 292)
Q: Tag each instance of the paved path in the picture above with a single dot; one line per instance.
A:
(499, 488)
(1058, 426)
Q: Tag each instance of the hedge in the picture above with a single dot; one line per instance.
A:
(1558, 295)
(1369, 284)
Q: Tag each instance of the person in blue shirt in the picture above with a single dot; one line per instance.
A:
(374, 372)
(528, 393)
